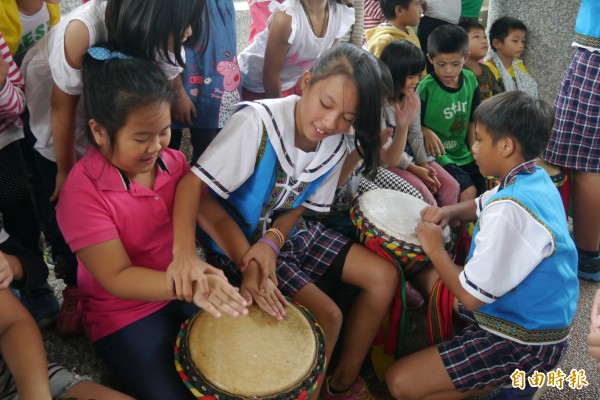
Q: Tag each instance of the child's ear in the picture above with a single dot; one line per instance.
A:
(99, 132)
(509, 146)
(495, 44)
(429, 58)
(305, 80)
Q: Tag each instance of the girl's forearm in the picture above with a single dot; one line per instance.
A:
(185, 211)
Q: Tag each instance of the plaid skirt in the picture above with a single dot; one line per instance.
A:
(304, 258)
(477, 359)
(575, 139)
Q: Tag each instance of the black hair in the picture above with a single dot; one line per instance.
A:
(403, 59)
(469, 24)
(517, 115)
(362, 68)
(114, 88)
(142, 28)
(447, 39)
(388, 7)
(502, 27)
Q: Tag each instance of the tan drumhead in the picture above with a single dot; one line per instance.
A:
(253, 355)
(395, 213)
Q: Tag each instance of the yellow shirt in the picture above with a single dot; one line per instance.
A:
(382, 35)
(10, 22)
(510, 70)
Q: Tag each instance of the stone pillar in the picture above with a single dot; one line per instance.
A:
(548, 50)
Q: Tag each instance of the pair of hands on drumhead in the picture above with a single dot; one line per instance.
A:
(194, 280)
(259, 283)
(430, 229)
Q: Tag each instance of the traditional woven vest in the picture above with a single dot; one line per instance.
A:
(540, 309)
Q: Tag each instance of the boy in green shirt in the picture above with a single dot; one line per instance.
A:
(449, 97)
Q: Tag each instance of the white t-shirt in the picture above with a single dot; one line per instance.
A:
(33, 28)
(46, 64)
(446, 10)
(240, 138)
(305, 47)
(493, 269)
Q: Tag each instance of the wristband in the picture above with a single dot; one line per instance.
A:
(270, 244)
(279, 235)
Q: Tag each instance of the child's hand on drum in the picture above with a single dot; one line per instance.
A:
(435, 215)
(270, 300)
(184, 271)
(222, 297)
(594, 336)
(266, 258)
(431, 237)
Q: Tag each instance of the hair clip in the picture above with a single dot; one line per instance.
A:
(102, 54)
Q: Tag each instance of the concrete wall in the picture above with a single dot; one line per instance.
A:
(548, 49)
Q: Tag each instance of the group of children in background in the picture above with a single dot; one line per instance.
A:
(277, 130)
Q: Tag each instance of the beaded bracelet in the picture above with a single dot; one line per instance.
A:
(270, 244)
(279, 235)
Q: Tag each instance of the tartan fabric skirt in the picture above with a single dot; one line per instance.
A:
(477, 359)
(575, 139)
(304, 258)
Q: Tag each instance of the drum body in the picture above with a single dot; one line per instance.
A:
(557, 175)
(252, 356)
(393, 216)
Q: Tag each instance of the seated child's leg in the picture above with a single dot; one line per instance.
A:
(326, 312)
(378, 280)
(65, 384)
(417, 183)
(386, 179)
(141, 354)
(450, 190)
(467, 189)
(472, 169)
(469, 193)
(422, 374)
(425, 280)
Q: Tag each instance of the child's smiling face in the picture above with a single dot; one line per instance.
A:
(136, 145)
(327, 107)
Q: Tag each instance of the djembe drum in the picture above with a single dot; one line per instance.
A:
(252, 356)
(556, 174)
(393, 216)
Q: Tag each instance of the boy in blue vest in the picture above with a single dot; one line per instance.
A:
(519, 287)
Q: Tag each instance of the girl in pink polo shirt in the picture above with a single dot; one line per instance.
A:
(115, 211)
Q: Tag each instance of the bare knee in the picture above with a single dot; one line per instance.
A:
(330, 318)
(384, 280)
(468, 194)
(397, 383)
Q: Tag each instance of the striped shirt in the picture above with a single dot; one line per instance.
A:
(373, 14)
(12, 95)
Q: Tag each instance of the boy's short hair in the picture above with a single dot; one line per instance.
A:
(502, 27)
(447, 39)
(469, 24)
(388, 7)
(520, 116)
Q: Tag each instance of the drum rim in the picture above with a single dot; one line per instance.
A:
(314, 376)
(368, 228)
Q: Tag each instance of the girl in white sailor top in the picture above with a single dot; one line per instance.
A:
(288, 155)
